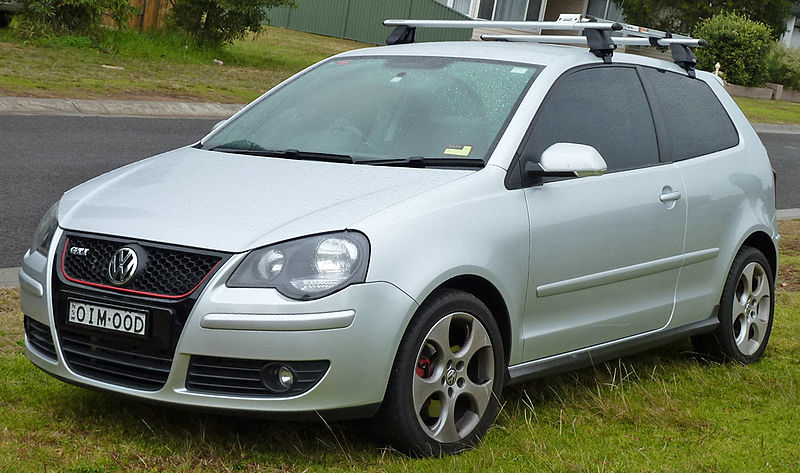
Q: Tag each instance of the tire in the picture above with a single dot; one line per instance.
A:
(5, 19)
(746, 311)
(444, 388)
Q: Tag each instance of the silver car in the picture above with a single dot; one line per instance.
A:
(402, 231)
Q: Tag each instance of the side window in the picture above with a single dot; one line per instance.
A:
(695, 122)
(604, 107)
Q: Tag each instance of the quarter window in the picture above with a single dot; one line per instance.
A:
(695, 122)
(603, 107)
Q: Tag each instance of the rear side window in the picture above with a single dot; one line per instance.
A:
(604, 107)
(695, 122)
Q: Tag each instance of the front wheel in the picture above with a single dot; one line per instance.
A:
(447, 377)
(746, 310)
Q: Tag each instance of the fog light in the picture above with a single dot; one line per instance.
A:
(285, 377)
(278, 377)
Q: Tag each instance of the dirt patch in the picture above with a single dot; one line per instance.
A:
(790, 237)
(788, 278)
(10, 321)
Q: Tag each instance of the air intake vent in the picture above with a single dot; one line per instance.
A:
(40, 337)
(92, 357)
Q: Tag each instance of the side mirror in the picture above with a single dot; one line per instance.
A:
(218, 124)
(567, 160)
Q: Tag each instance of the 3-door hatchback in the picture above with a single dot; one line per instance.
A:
(404, 230)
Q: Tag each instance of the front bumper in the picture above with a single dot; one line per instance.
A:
(358, 330)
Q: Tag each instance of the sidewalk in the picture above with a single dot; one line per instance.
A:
(131, 108)
(122, 108)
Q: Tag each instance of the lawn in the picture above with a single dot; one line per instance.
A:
(157, 67)
(661, 411)
(770, 111)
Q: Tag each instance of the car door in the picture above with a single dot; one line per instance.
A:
(605, 250)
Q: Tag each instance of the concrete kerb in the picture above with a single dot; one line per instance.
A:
(9, 277)
(777, 129)
(132, 108)
(123, 108)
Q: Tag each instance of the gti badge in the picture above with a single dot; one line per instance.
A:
(122, 266)
(79, 251)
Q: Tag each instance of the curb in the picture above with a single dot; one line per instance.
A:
(777, 129)
(9, 277)
(788, 214)
(121, 108)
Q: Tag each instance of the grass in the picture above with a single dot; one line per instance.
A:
(770, 111)
(661, 411)
(157, 66)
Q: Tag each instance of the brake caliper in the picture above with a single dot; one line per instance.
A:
(424, 367)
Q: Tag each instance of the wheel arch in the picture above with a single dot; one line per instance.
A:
(488, 293)
(761, 241)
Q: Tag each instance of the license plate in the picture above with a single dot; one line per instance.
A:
(119, 320)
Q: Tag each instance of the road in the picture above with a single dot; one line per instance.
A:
(43, 156)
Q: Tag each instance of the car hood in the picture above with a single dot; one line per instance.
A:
(233, 203)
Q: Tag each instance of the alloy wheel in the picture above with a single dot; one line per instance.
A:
(453, 378)
(751, 308)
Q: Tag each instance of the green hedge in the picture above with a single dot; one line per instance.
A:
(48, 17)
(741, 46)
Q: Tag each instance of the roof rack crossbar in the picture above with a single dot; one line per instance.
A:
(522, 25)
(618, 40)
(596, 35)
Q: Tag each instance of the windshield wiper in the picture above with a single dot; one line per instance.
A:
(421, 162)
(257, 150)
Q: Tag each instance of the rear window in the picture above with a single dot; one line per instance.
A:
(695, 122)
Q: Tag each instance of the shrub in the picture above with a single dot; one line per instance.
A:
(783, 67)
(47, 17)
(740, 45)
(217, 22)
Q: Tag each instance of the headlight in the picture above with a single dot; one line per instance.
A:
(306, 268)
(45, 231)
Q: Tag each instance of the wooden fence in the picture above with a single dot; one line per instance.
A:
(150, 15)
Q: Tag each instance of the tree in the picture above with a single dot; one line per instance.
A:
(680, 16)
(216, 22)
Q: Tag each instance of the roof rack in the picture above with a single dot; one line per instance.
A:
(596, 35)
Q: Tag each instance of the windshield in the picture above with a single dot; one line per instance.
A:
(384, 108)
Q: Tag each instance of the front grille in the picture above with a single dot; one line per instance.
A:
(40, 338)
(166, 289)
(163, 271)
(90, 356)
(241, 377)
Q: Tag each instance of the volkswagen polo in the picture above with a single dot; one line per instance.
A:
(402, 231)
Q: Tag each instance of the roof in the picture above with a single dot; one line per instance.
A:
(527, 53)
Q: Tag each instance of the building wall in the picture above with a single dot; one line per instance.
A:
(362, 20)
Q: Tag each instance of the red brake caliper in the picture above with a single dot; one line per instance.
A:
(424, 368)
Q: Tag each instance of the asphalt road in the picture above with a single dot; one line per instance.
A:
(43, 156)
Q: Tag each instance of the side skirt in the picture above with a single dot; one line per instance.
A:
(607, 351)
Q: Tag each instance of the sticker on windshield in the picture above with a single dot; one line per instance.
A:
(519, 70)
(458, 150)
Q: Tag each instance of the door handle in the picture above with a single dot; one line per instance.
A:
(669, 197)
